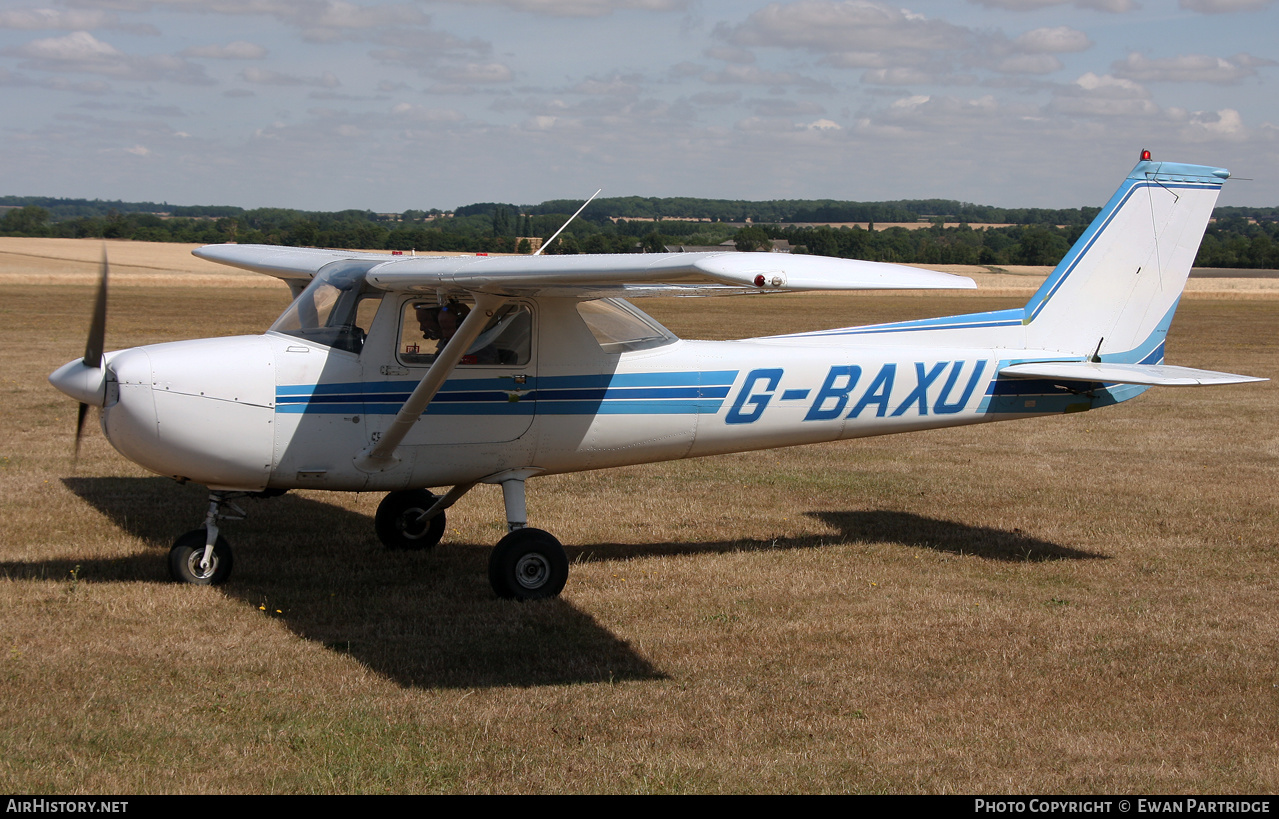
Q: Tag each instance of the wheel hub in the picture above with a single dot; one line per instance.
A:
(532, 570)
(196, 558)
(414, 523)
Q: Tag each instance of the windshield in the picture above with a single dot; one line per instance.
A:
(330, 309)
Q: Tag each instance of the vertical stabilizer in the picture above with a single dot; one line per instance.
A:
(1113, 294)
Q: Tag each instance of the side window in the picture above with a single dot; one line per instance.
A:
(426, 325)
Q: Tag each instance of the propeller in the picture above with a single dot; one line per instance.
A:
(94, 343)
(85, 379)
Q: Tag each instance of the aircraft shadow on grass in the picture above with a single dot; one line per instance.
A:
(428, 618)
(871, 526)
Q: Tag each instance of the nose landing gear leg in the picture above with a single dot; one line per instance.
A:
(202, 557)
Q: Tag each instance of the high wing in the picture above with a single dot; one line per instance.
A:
(282, 262)
(595, 276)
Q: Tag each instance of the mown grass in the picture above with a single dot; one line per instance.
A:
(1078, 604)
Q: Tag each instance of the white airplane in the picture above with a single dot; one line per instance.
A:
(399, 373)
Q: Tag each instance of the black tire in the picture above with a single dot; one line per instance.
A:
(528, 564)
(398, 521)
(188, 551)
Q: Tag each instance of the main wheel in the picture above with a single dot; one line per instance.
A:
(528, 564)
(399, 523)
(188, 552)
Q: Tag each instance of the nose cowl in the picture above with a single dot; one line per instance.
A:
(198, 410)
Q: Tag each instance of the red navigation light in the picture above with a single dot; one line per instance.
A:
(759, 280)
(1145, 156)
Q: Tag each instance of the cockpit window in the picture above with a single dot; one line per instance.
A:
(621, 328)
(329, 310)
(427, 324)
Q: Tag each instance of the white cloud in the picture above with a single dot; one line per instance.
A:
(75, 47)
(1189, 68)
(1030, 64)
(897, 76)
(765, 124)
(781, 107)
(238, 50)
(265, 76)
(754, 75)
(1094, 95)
(1114, 87)
(1112, 6)
(614, 86)
(582, 8)
(863, 59)
(731, 55)
(1055, 40)
(1215, 126)
(422, 114)
(715, 98)
(81, 52)
(849, 25)
(485, 73)
(339, 14)
(46, 19)
(1224, 6)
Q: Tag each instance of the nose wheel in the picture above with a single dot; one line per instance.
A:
(202, 557)
(187, 562)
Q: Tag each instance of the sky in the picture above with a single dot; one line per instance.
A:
(388, 106)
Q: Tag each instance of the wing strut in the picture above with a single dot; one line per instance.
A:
(380, 455)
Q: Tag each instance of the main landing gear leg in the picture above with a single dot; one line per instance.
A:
(202, 556)
(527, 564)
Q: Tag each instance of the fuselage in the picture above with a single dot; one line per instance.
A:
(279, 411)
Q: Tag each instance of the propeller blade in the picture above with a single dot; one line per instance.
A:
(79, 429)
(98, 326)
(94, 344)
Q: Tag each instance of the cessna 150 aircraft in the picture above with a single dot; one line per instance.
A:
(399, 373)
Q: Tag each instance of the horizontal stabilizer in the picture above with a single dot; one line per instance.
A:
(1151, 375)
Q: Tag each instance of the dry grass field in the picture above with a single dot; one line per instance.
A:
(1078, 604)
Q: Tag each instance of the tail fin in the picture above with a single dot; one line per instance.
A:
(1114, 293)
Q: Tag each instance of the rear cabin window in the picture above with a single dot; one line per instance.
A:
(620, 327)
(427, 324)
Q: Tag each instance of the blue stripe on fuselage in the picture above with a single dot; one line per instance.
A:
(686, 392)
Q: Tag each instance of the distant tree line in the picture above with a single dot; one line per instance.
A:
(1238, 237)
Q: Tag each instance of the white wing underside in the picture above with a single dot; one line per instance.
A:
(595, 276)
(1152, 375)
